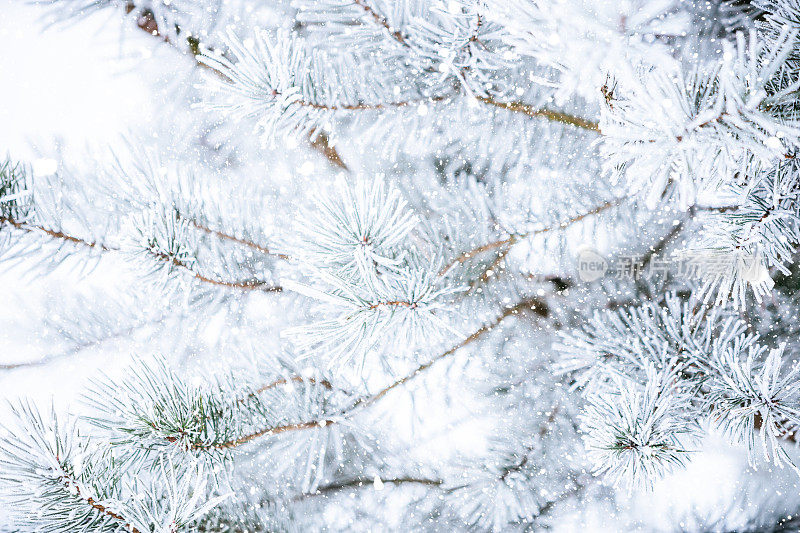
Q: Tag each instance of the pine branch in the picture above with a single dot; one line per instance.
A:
(147, 23)
(59, 235)
(366, 483)
(248, 285)
(294, 379)
(703, 128)
(531, 111)
(664, 368)
(511, 240)
(266, 432)
(380, 20)
(164, 414)
(534, 304)
(516, 107)
(73, 487)
(250, 244)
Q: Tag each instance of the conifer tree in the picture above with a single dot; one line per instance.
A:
(411, 265)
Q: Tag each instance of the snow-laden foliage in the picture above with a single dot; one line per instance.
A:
(357, 229)
(381, 286)
(656, 371)
(56, 480)
(406, 265)
(637, 436)
(755, 399)
(739, 246)
(696, 127)
(586, 40)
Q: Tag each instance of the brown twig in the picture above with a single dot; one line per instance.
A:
(517, 107)
(366, 482)
(250, 244)
(380, 20)
(147, 23)
(321, 143)
(515, 238)
(243, 285)
(70, 483)
(393, 303)
(248, 285)
(294, 379)
(264, 433)
(716, 209)
(365, 106)
(534, 304)
(489, 271)
(529, 110)
(284, 381)
(33, 228)
(662, 243)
